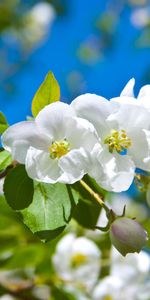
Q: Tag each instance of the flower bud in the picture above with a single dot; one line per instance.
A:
(127, 235)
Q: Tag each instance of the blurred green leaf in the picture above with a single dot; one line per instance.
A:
(3, 123)
(50, 211)
(5, 159)
(60, 294)
(87, 210)
(18, 188)
(26, 256)
(48, 92)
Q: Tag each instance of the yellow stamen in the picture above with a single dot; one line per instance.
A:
(78, 259)
(117, 140)
(59, 149)
(108, 297)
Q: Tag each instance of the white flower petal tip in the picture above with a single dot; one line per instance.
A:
(144, 91)
(128, 90)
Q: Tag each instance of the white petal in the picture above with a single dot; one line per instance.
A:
(18, 138)
(41, 167)
(144, 96)
(81, 133)
(144, 91)
(129, 117)
(52, 119)
(109, 287)
(123, 100)
(128, 89)
(140, 149)
(74, 165)
(113, 172)
(93, 108)
(145, 102)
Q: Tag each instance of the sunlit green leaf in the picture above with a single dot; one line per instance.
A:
(50, 210)
(48, 92)
(5, 159)
(18, 188)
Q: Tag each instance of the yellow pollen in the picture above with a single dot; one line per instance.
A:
(78, 260)
(117, 140)
(59, 149)
(108, 297)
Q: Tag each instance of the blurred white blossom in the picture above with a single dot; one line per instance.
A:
(140, 17)
(36, 24)
(128, 278)
(77, 261)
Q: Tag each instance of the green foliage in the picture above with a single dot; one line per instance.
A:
(60, 294)
(48, 92)
(5, 159)
(18, 188)
(87, 210)
(50, 210)
(3, 123)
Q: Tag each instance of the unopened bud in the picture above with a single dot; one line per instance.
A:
(127, 235)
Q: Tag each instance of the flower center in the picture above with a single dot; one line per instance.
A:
(117, 140)
(78, 259)
(59, 149)
(108, 297)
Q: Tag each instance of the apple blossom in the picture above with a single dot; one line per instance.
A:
(128, 278)
(77, 261)
(55, 147)
(119, 133)
(134, 265)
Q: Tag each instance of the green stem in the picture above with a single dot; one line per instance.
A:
(96, 196)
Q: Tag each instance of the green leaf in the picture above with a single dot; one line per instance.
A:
(87, 210)
(18, 188)
(5, 159)
(48, 92)
(61, 294)
(3, 123)
(51, 209)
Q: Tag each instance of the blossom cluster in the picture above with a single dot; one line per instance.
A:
(78, 262)
(107, 139)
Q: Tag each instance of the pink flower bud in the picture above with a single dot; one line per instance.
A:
(127, 235)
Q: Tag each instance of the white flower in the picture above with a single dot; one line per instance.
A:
(55, 147)
(119, 131)
(128, 278)
(77, 261)
(37, 23)
(132, 267)
(140, 17)
(108, 288)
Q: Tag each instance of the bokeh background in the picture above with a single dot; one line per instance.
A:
(91, 46)
(94, 46)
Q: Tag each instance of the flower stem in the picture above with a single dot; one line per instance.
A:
(96, 196)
